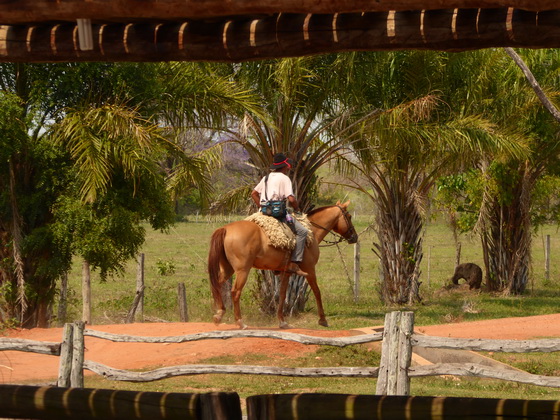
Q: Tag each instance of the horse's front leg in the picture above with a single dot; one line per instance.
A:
(240, 280)
(284, 280)
(312, 281)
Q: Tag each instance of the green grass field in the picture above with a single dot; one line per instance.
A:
(180, 256)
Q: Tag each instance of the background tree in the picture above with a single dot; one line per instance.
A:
(415, 138)
(88, 168)
(33, 172)
(496, 88)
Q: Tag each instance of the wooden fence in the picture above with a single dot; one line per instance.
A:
(393, 375)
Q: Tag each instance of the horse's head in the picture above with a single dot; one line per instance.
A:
(344, 226)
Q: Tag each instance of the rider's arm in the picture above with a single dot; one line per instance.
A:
(256, 197)
(294, 203)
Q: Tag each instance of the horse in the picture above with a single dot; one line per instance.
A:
(239, 246)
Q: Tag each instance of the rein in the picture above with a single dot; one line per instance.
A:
(349, 233)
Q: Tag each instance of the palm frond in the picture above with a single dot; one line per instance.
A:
(234, 200)
(201, 96)
(100, 140)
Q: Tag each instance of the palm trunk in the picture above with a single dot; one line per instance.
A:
(269, 293)
(17, 240)
(399, 247)
(506, 239)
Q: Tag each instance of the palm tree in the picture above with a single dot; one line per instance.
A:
(304, 117)
(414, 140)
(505, 221)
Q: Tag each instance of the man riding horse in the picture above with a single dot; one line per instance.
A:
(239, 246)
(277, 187)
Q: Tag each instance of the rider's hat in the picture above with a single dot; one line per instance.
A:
(280, 161)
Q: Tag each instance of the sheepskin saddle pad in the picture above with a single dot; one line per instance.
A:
(280, 234)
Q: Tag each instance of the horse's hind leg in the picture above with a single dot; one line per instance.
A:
(284, 280)
(225, 274)
(240, 280)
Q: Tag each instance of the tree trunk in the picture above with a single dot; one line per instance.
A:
(399, 247)
(269, 293)
(43, 314)
(62, 302)
(506, 237)
(534, 83)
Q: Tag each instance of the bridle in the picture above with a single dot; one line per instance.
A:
(350, 232)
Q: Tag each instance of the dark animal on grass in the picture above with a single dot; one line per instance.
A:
(471, 272)
(239, 246)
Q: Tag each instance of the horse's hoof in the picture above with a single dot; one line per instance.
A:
(323, 322)
(284, 325)
(218, 317)
(242, 325)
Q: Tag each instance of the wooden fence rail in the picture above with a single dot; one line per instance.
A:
(31, 346)
(223, 335)
(173, 371)
(393, 374)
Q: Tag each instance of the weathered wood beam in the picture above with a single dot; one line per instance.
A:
(33, 11)
(22, 401)
(224, 335)
(339, 406)
(285, 35)
(481, 371)
(186, 370)
(545, 345)
(21, 344)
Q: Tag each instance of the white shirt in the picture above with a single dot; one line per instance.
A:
(278, 187)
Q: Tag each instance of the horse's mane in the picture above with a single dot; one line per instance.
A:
(317, 210)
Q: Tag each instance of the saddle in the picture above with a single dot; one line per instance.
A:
(280, 233)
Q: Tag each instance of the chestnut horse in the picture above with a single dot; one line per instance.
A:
(239, 246)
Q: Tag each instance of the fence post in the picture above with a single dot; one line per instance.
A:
(387, 350)
(135, 304)
(405, 353)
(429, 266)
(86, 293)
(182, 297)
(65, 362)
(396, 353)
(356, 271)
(62, 302)
(547, 258)
(77, 373)
(140, 286)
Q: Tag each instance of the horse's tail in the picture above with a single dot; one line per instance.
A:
(216, 256)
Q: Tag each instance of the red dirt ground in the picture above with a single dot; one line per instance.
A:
(20, 367)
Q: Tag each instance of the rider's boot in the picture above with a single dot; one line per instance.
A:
(293, 268)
